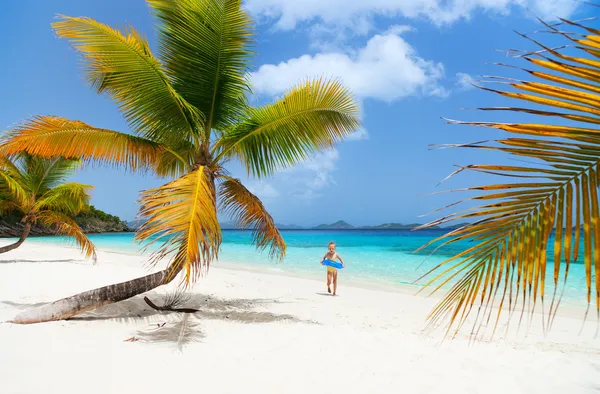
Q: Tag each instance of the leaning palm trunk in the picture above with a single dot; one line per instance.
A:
(89, 300)
(22, 238)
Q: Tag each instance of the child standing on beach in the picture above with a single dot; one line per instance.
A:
(331, 271)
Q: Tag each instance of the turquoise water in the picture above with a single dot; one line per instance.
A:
(374, 256)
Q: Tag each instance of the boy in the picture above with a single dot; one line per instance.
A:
(332, 272)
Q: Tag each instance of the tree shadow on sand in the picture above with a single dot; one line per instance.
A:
(176, 327)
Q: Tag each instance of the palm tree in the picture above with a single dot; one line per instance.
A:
(34, 189)
(190, 115)
(555, 194)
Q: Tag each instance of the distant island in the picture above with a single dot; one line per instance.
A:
(339, 225)
(92, 221)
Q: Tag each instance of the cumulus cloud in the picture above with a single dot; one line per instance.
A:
(464, 81)
(387, 68)
(357, 14)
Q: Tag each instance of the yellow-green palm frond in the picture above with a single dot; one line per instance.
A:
(177, 159)
(48, 136)
(7, 206)
(12, 185)
(181, 216)
(249, 212)
(511, 231)
(310, 117)
(68, 198)
(121, 64)
(204, 45)
(64, 225)
(42, 174)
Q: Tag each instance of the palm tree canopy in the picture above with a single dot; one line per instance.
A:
(36, 188)
(511, 230)
(189, 113)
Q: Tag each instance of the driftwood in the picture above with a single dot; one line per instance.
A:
(168, 308)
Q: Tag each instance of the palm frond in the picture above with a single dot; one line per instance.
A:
(512, 230)
(41, 174)
(12, 185)
(310, 117)
(49, 136)
(64, 225)
(181, 217)
(249, 212)
(121, 64)
(177, 159)
(205, 48)
(68, 198)
(7, 206)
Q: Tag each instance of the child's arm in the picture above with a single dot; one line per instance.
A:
(342, 260)
(323, 259)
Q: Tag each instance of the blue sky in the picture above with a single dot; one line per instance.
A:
(408, 61)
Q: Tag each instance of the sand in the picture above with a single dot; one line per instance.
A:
(258, 332)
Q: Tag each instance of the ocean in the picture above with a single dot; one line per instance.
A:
(376, 257)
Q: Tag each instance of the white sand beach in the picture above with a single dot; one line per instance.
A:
(258, 332)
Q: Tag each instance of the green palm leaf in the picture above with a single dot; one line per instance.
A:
(122, 65)
(310, 117)
(204, 45)
(68, 198)
(512, 229)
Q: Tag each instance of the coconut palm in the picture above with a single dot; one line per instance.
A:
(555, 193)
(34, 189)
(190, 115)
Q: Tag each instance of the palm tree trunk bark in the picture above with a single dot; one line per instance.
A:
(92, 299)
(22, 238)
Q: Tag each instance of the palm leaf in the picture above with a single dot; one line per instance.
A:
(48, 136)
(11, 183)
(68, 198)
(43, 174)
(512, 229)
(310, 117)
(249, 212)
(205, 48)
(121, 64)
(64, 225)
(181, 216)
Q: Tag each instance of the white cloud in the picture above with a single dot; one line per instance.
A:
(263, 190)
(464, 81)
(387, 68)
(357, 14)
(358, 135)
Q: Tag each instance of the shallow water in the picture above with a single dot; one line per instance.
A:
(372, 256)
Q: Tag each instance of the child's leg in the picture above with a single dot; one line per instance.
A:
(334, 282)
(329, 275)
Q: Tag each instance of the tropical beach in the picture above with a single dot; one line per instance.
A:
(266, 332)
(151, 150)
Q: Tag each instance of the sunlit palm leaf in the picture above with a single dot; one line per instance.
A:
(11, 183)
(177, 160)
(181, 217)
(43, 174)
(69, 198)
(122, 65)
(64, 225)
(205, 48)
(310, 117)
(249, 212)
(512, 229)
(48, 136)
